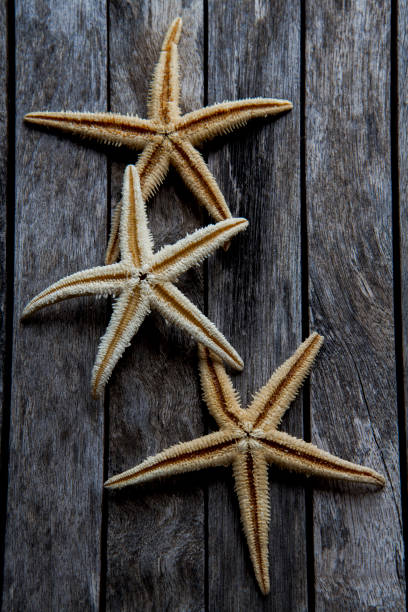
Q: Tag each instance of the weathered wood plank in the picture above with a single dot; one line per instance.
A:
(52, 557)
(403, 196)
(358, 539)
(155, 545)
(255, 288)
(3, 200)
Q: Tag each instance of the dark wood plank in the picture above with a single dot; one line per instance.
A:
(357, 533)
(403, 194)
(52, 557)
(3, 199)
(155, 546)
(255, 288)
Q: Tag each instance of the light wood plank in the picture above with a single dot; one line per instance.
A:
(52, 557)
(358, 539)
(155, 547)
(255, 288)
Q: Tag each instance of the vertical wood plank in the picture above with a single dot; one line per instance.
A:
(358, 535)
(52, 556)
(155, 538)
(402, 50)
(3, 200)
(255, 288)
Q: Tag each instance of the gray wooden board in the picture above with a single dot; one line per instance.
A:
(159, 540)
(155, 539)
(3, 198)
(52, 557)
(255, 288)
(403, 186)
(357, 533)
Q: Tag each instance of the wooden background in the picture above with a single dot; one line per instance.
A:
(325, 191)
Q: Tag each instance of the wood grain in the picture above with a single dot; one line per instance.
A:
(155, 543)
(402, 50)
(357, 533)
(52, 558)
(3, 198)
(255, 288)
(178, 544)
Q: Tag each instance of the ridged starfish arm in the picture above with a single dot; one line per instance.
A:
(165, 88)
(176, 308)
(129, 312)
(252, 487)
(174, 259)
(271, 401)
(198, 178)
(218, 391)
(102, 280)
(218, 119)
(217, 448)
(107, 128)
(295, 454)
(152, 167)
(136, 242)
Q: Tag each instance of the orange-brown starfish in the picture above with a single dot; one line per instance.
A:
(166, 137)
(249, 440)
(143, 280)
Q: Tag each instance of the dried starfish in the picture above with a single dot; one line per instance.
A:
(166, 137)
(143, 280)
(249, 440)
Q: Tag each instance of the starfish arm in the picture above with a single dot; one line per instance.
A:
(172, 260)
(195, 173)
(107, 128)
(129, 313)
(136, 243)
(219, 394)
(165, 88)
(211, 121)
(271, 402)
(294, 454)
(251, 485)
(102, 280)
(152, 167)
(215, 449)
(175, 307)
(113, 250)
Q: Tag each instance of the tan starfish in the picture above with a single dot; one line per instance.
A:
(166, 137)
(144, 281)
(249, 440)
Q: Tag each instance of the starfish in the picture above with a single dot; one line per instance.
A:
(166, 137)
(144, 281)
(249, 440)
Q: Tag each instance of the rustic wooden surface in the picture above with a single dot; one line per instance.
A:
(4, 153)
(349, 207)
(325, 190)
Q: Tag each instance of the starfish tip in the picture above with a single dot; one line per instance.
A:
(173, 33)
(30, 117)
(25, 314)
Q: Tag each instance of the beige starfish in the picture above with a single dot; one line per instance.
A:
(249, 440)
(166, 137)
(144, 281)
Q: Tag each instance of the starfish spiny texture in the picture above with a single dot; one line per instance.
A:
(166, 137)
(144, 281)
(249, 440)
